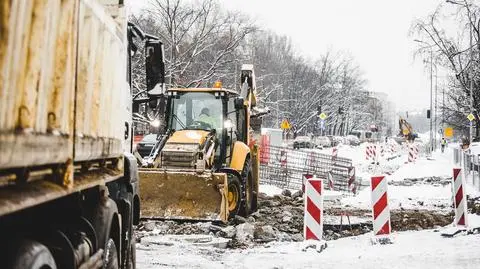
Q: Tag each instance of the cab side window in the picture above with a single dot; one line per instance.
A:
(232, 115)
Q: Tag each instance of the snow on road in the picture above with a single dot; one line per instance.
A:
(424, 249)
(428, 194)
(408, 188)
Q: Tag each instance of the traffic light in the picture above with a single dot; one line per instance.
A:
(319, 110)
(428, 113)
(340, 110)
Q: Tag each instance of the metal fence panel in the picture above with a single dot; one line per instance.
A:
(285, 168)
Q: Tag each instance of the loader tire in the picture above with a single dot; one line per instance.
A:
(234, 195)
(247, 178)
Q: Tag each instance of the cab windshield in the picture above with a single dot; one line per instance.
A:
(196, 111)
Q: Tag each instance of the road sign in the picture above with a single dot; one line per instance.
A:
(285, 125)
(470, 117)
(448, 132)
(323, 116)
(322, 125)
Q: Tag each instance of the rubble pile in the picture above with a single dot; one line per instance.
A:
(280, 218)
(433, 181)
(407, 220)
(473, 204)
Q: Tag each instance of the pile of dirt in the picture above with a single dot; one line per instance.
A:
(473, 204)
(280, 218)
(407, 220)
(434, 181)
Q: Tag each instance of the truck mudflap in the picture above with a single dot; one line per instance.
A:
(180, 195)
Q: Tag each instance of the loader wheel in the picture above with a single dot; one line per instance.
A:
(247, 177)
(234, 195)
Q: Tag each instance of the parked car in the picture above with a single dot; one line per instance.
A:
(144, 147)
(323, 141)
(303, 142)
(353, 140)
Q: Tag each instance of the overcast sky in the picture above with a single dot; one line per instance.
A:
(374, 32)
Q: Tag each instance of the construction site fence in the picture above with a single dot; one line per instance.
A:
(470, 164)
(286, 168)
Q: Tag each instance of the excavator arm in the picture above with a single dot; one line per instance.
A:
(406, 130)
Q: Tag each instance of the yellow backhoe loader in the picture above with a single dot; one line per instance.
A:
(406, 130)
(205, 167)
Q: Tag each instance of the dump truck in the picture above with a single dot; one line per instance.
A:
(68, 182)
(206, 165)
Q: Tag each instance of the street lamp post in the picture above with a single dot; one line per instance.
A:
(436, 107)
(431, 98)
(471, 87)
(431, 90)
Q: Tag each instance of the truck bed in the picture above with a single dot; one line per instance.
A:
(63, 90)
(64, 98)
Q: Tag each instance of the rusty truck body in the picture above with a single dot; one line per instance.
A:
(68, 184)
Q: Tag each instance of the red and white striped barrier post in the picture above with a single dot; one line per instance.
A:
(305, 177)
(415, 149)
(311, 160)
(283, 158)
(374, 153)
(334, 153)
(367, 152)
(330, 180)
(351, 180)
(313, 220)
(381, 211)
(460, 199)
(382, 150)
(411, 153)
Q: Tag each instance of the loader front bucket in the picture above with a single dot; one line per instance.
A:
(183, 195)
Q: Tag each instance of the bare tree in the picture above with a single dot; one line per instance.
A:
(454, 52)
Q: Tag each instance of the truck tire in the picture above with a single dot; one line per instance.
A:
(132, 260)
(234, 195)
(33, 255)
(110, 255)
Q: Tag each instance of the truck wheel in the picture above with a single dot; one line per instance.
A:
(234, 195)
(32, 255)
(110, 256)
(133, 257)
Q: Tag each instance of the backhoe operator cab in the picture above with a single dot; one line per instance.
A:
(210, 110)
(204, 166)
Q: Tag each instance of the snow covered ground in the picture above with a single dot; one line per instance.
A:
(422, 185)
(427, 194)
(424, 249)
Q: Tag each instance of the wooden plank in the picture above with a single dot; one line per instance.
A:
(99, 115)
(64, 76)
(15, 198)
(23, 150)
(5, 13)
(89, 148)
